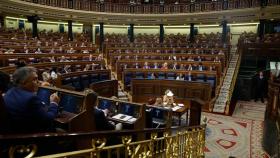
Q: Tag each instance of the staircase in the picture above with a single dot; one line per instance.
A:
(223, 99)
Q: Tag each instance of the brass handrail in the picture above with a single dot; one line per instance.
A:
(170, 142)
(233, 81)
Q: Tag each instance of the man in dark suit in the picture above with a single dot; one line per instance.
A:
(101, 122)
(27, 112)
(260, 83)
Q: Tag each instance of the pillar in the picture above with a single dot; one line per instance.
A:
(192, 32)
(34, 20)
(131, 32)
(70, 31)
(225, 31)
(161, 33)
(261, 28)
(101, 35)
(2, 21)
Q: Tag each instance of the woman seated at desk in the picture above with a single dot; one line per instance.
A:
(168, 98)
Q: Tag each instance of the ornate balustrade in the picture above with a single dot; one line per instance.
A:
(136, 8)
(183, 142)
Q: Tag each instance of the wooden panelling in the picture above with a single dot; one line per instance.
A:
(143, 89)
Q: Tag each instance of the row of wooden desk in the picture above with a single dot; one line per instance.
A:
(77, 113)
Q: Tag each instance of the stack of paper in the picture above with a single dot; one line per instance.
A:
(124, 117)
(182, 105)
(176, 108)
(132, 120)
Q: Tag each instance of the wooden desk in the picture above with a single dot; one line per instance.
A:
(144, 89)
(65, 117)
(183, 110)
(82, 119)
(138, 111)
(107, 88)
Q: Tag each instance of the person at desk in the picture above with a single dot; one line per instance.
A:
(260, 87)
(168, 98)
(27, 113)
(158, 102)
(101, 122)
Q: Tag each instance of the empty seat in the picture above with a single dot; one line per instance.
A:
(104, 76)
(67, 81)
(85, 81)
(171, 76)
(139, 75)
(76, 82)
(94, 78)
(200, 78)
(161, 75)
(127, 78)
(212, 81)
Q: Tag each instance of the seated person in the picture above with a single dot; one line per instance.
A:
(180, 76)
(146, 65)
(164, 66)
(38, 51)
(28, 114)
(158, 102)
(87, 67)
(46, 76)
(168, 99)
(71, 50)
(53, 73)
(101, 122)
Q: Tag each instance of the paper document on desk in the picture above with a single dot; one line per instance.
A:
(118, 116)
(132, 120)
(126, 118)
(176, 108)
(122, 117)
(181, 105)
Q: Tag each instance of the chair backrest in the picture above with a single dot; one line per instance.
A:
(127, 78)
(76, 82)
(94, 78)
(161, 75)
(139, 75)
(85, 81)
(67, 81)
(104, 77)
(171, 76)
(200, 78)
(212, 81)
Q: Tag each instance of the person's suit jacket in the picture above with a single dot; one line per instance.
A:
(27, 112)
(101, 122)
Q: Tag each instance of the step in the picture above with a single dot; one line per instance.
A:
(219, 109)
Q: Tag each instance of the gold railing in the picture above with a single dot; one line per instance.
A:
(233, 81)
(183, 142)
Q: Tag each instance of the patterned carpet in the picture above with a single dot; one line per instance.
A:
(250, 110)
(229, 136)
